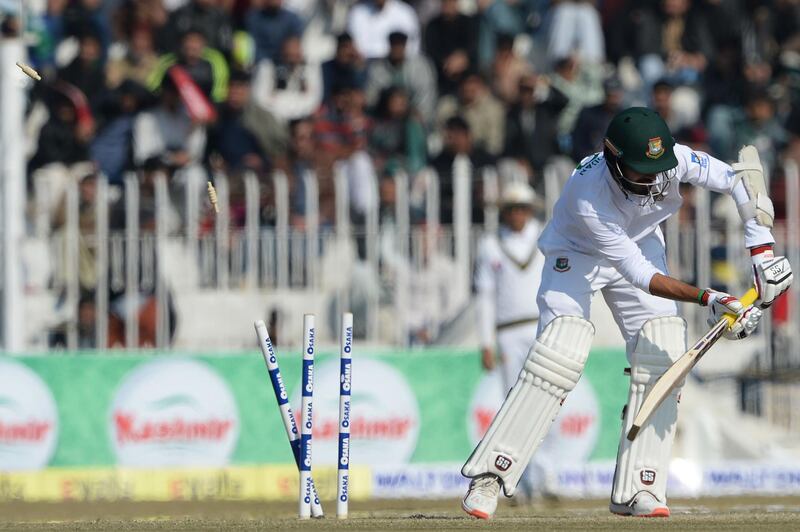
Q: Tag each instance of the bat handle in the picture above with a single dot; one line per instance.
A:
(747, 299)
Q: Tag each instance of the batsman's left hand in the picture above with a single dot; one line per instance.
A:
(747, 318)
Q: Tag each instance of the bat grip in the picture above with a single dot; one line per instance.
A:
(747, 299)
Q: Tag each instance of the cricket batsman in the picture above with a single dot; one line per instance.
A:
(605, 235)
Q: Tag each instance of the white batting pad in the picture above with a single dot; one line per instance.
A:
(553, 367)
(643, 465)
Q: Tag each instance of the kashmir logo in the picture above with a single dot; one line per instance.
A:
(382, 414)
(648, 476)
(173, 412)
(561, 265)
(654, 148)
(28, 419)
(502, 463)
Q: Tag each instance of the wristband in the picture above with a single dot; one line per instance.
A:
(702, 298)
(760, 249)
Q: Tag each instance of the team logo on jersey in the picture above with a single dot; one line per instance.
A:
(562, 264)
(654, 148)
(648, 476)
(702, 161)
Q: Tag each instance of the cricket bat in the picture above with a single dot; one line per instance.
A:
(677, 371)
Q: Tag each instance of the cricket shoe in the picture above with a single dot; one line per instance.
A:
(481, 498)
(643, 504)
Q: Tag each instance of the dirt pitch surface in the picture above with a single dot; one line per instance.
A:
(695, 514)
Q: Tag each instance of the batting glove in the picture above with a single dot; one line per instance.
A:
(720, 303)
(772, 275)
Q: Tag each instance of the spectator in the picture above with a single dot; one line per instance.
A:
(88, 16)
(345, 68)
(663, 102)
(724, 78)
(590, 128)
(48, 29)
(270, 25)
(531, 126)
(232, 147)
(451, 41)
(144, 290)
(398, 138)
(63, 139)
(757, 125)
(136, 62)
(575, 30)
(150, 15)
(86, 70)
(302, 160)
(288, 88)
(206, 17)
(582, 85)
(498, 17)
(412, 73)
(482, 111)
(507, 69)
(206, 66)
(166, 134)
(673, 41)
(112, 147)
(458, 142)
(371, 21)
(342, 129)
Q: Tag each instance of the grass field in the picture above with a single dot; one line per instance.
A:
(700, 514)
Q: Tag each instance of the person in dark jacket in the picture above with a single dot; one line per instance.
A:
(531, 125)
(590, 128)
(345, 68)
(206, 17)
(270, 25)
(451, 41)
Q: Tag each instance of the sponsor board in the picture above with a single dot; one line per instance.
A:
(212, 411)
(418, 481)
(384, 414)
(173, 412)
(28, 419)
(264, 483)
(593, 480)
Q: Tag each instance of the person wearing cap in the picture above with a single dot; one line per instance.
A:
(605, 236)
(508, 269)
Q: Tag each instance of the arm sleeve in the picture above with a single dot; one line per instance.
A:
(612, 243)
(705, 171)
(485, 286)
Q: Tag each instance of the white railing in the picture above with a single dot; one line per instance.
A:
(265, 253)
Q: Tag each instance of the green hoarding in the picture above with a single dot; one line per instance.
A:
(414, 407)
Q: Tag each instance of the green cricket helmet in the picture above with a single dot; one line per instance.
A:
(639, 139)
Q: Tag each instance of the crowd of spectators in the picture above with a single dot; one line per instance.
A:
(385, 85)
(379, 86)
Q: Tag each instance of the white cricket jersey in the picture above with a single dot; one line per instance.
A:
(594, 217)
(508, 271)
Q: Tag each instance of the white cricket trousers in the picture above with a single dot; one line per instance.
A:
(569, 279)
(513, 345)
